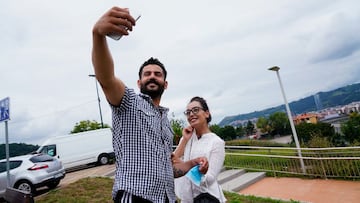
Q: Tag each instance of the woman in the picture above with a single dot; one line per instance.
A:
(198, 140)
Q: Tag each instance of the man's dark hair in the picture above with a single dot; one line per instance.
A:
(203, 104)
(154, 61)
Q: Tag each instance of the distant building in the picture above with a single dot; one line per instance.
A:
(350, 108)
(306, 118)
(333, 115)
(335, 120)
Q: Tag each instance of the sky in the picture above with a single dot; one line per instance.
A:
(219, 50)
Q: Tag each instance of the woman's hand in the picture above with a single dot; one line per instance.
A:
(204, 164)
(187, 132)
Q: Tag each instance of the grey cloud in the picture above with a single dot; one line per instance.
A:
(339, 39)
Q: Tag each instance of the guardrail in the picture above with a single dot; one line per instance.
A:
(338, 162)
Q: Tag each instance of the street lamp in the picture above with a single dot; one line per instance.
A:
(97, 92)
(276, 69)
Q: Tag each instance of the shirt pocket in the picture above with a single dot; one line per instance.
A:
(150, 129)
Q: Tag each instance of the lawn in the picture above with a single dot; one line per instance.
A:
(98, 189)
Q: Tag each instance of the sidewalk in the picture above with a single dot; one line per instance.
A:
(306, 190)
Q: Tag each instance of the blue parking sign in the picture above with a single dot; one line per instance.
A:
(5, 109)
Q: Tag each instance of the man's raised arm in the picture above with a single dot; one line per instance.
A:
(116, 20)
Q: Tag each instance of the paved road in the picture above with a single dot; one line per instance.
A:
(84, 172)
(283, 139)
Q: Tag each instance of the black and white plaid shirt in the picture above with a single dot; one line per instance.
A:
(142, 141)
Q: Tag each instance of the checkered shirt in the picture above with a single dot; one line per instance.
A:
(142, 141)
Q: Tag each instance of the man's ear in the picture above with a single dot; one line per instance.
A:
(138, 83)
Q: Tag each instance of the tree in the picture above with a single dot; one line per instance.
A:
(177, 126)
(351, 128)
(263, 124)
(249, 129)
(312, 133)
(227, 133)
(17, 149)
(279, 123)
(240, 131)
(319, 142)
(87, 125)
(215, 129)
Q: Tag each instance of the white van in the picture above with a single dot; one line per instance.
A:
(77, 149)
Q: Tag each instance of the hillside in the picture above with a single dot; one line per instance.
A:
(16, 149)
(341, 96)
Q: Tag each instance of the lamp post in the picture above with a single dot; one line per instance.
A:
(276, 69)
(97, 92)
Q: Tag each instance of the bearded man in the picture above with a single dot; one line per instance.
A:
(142, 134)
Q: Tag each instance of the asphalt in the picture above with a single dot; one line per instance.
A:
(306, 190)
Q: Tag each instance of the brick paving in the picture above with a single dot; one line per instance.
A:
(306, 190)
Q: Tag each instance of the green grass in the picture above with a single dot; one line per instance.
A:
(237, 198)
(98, 189)
(86, 190)
(288, 167)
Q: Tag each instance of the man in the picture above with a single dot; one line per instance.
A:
(142, 135)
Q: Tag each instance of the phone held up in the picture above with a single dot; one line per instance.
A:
(117, 36)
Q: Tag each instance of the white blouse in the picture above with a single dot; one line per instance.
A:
(213, 148)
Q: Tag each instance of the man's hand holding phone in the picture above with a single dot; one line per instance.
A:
(115, 23)
(117, 36)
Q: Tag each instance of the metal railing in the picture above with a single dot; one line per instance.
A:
(339, 162)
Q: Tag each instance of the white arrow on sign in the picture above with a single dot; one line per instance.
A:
(5, 109)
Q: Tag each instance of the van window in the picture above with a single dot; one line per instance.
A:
(49, 150)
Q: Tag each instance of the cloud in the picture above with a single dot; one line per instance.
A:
(218, 50)
(337, 38)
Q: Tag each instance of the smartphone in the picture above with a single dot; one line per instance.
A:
(116, 36)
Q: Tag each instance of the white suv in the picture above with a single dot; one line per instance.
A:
(29, 172)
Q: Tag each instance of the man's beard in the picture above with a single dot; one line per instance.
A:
(152, 93)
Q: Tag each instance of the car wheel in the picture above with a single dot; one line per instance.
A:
(103, 159)
(26, 186)
(53, 184)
